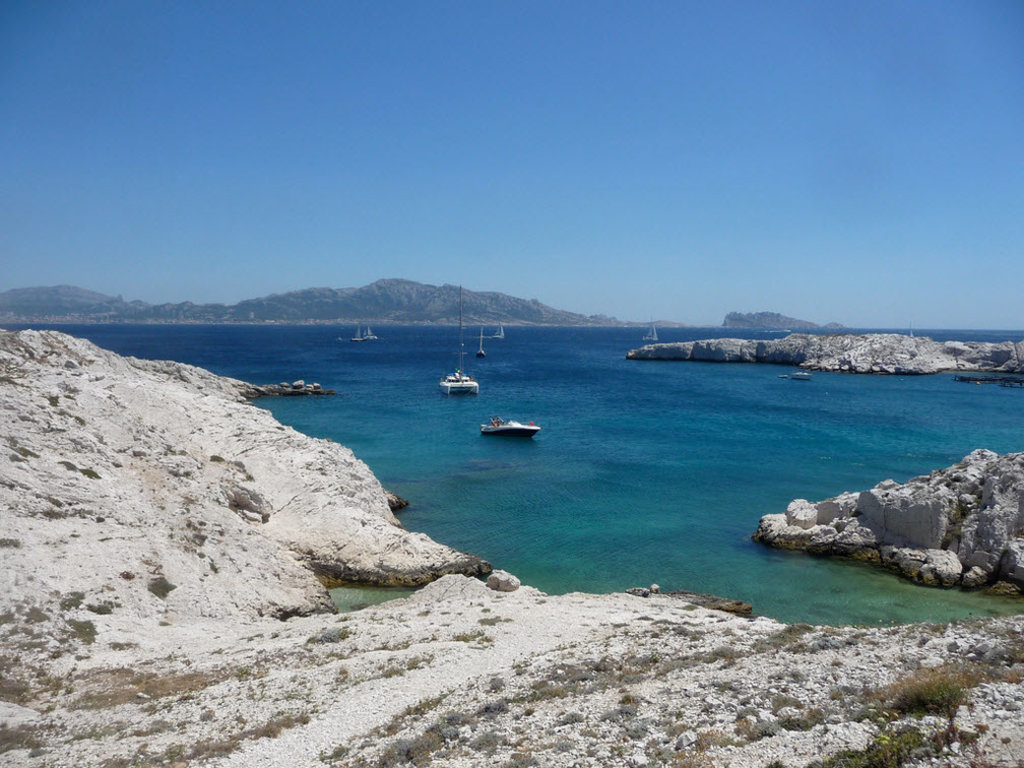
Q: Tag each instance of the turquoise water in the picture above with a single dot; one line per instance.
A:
(643, 472)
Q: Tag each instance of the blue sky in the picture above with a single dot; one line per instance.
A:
(861, 162)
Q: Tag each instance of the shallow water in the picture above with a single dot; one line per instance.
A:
(643, 472)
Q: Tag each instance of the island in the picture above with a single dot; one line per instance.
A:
(166, 550)
(878, 353)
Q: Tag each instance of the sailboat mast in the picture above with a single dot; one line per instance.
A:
(460, 329)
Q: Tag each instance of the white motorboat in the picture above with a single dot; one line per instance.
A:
(509, 428)
(801, 376)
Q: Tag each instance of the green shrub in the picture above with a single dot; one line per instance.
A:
(83, 630)
(161, 587)
(938, 691)
(887, 750)
(72, 601)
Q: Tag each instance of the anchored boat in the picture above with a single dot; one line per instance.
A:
(509, 428)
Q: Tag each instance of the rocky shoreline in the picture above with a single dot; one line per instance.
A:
(164, 549)
(959, 526)
(284, 389)
(878, 353)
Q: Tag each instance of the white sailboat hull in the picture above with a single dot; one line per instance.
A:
(456, 385)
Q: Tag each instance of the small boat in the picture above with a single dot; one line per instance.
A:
(652, 335)
(359, 334)
(459, 383)
(501, 332)
(801, 376)
(509, 428)
(369, 335)
(480, 352)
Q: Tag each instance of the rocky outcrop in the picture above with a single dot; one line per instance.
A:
(960, 526)
(881, 353)
(284, 389)
(165, 495)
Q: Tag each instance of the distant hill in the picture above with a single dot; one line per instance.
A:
(771, 321)
(385, 301)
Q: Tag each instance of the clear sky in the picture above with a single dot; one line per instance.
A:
(854, 161)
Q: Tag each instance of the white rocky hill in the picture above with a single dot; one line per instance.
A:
(163, 494)
(882, 353)
(158, 607)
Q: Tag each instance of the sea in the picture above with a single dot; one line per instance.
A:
(643, 472)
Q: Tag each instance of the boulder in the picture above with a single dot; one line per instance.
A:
(503, 581)
(802, 514)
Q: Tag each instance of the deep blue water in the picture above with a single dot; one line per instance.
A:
(643, 472)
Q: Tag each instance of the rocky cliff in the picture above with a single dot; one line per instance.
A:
(959, 526)
(162, 493)
(883, 353)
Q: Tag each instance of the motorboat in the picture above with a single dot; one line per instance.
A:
(509, 428)
(801, 376)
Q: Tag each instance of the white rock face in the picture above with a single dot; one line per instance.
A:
(882, 353)
(165, 495)
(960, 525)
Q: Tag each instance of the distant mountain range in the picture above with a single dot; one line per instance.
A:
(771, 321)
(385, 301)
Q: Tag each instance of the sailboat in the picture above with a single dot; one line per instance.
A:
(359, 334)
(480, 352)
(501, 332)
(459, 383)
(652, 335)
(369, 335)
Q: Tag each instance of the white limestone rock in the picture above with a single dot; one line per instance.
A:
(802, 514)
(879, 353)
(960, 525)
(503, 581)
(165, 495)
